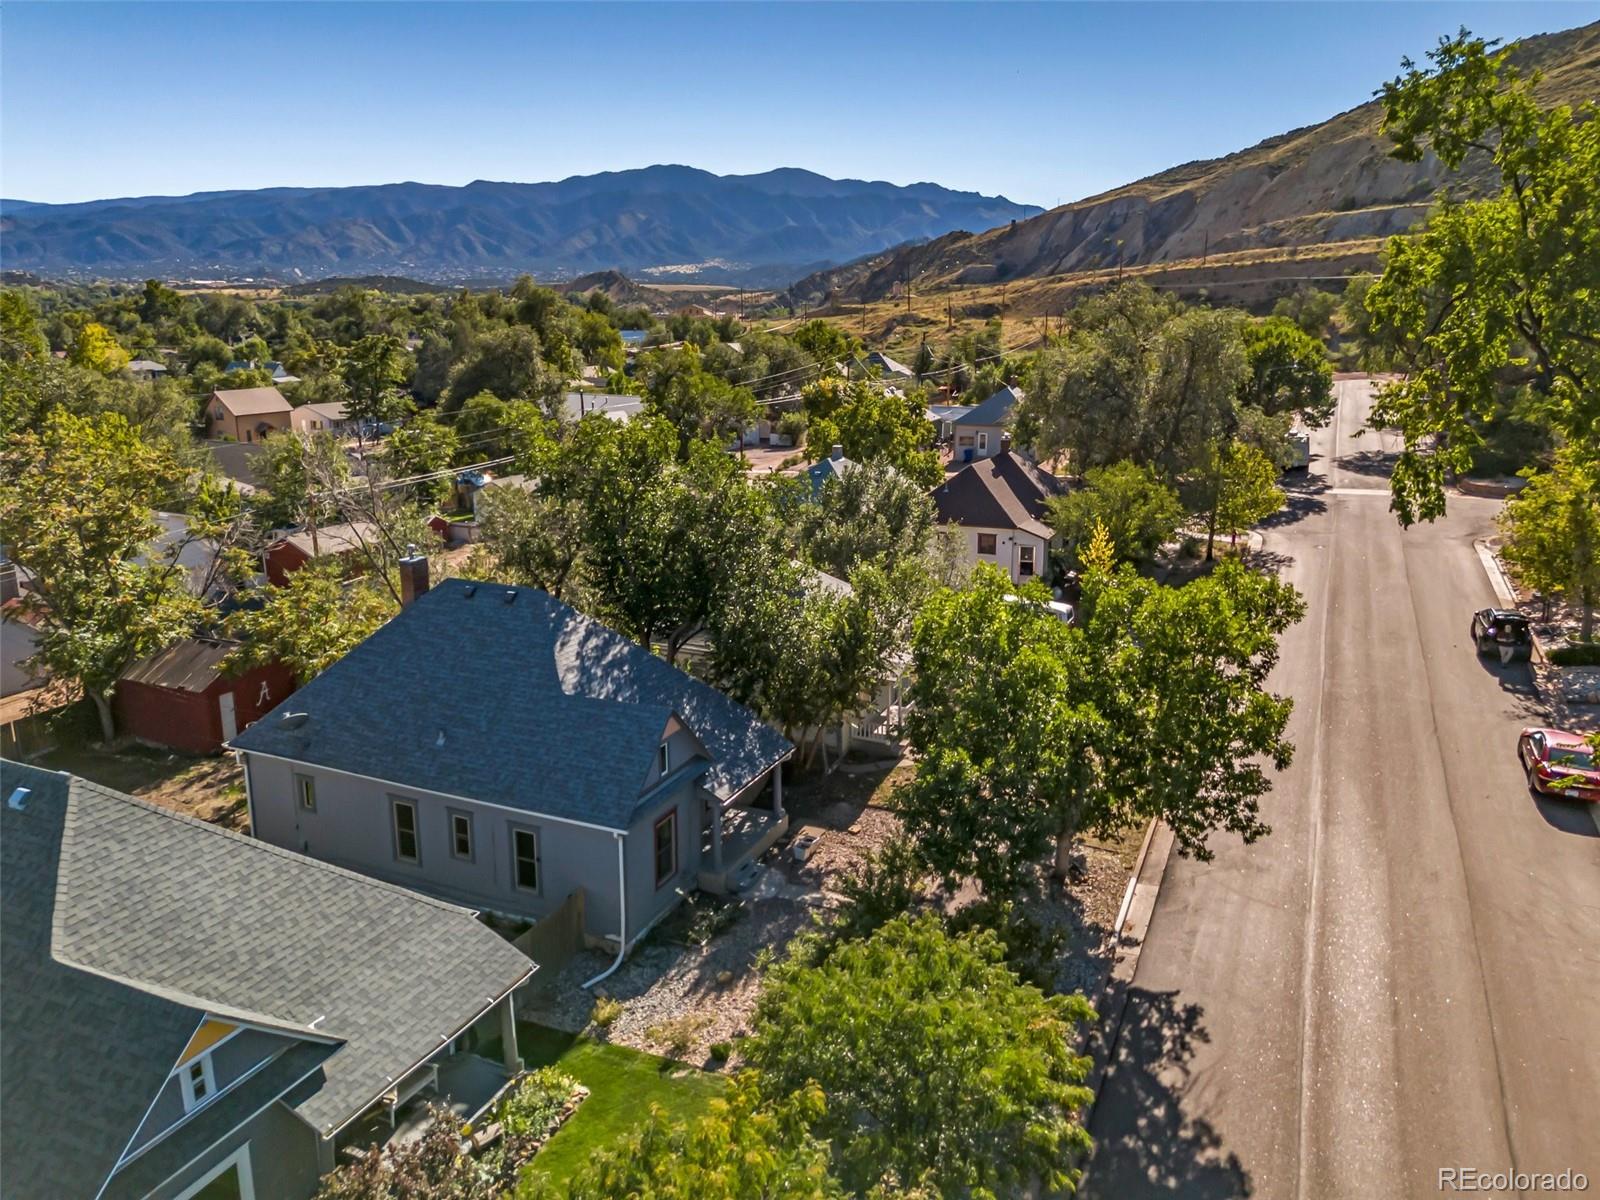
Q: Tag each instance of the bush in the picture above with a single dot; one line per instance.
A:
(709, 917)
(721, 1051)
(678, 1034)
(606, 1010)
(1577, 654)
(1032, 950)
(536, 1102)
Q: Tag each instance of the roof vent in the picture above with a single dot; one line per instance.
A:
(18, 800)
(293, 720)
(510, 596)
(470, 590)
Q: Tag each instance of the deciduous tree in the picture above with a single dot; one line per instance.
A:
(1552, 530)
(1137, 509)
(310, 622)
(78, 500)
(938, 1066)
(1490, 293)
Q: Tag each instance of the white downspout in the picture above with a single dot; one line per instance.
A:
(622, 911)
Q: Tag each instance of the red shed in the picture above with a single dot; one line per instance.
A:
(181, 698)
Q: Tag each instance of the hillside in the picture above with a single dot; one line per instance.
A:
(659, 223)
(1331, 186)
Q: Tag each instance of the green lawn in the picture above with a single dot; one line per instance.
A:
(622, 1084)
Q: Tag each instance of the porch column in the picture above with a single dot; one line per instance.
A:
(508, 1036)
(714, 811)
(777, 791)
(325, 1157)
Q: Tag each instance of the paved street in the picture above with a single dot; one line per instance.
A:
(1406, 974)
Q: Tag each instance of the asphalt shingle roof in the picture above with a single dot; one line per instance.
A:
(252, 402)
(1002, 492)
(508, 696)
(124, 924)
(996, 410)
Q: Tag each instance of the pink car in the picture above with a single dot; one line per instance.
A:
(1560, 763)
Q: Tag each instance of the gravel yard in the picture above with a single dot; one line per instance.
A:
(679, 998)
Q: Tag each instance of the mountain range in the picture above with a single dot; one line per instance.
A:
(662, 223)
(1327, 194)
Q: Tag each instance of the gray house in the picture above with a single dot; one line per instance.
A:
(186, 1012)
(495, 747)
(978, 431)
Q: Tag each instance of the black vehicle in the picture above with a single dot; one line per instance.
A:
(1502, 631)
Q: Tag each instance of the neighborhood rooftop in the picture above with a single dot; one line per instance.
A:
(511, 697)
(125, 925)
(996, 410)
(1005, 492)
(250, 402)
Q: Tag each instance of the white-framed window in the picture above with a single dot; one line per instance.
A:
(407, 846)
(305, 793)
(983, 441)
(525, 859)
(461, 834)
(664, 758)
(1025, 560)
(199, 1081)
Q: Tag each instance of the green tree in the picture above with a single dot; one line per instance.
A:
(1238, 486)
(507, 362)
(938, 1066)
(422, 447)
(599, 342)
(698, 404)
(310, 622)
(372, 371)
(739, 1147)
(1130, 502)
(297, 472)
(1489, 294)
(872, 513)
(826, 342)
(77, 502)
(1027, 730)
(872, 426)
(1309, 309)
(20, 335)
(1552, 529)
(1287, 372)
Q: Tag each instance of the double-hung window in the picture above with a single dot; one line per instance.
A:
(1024, 560)
(986, 544)
(461, 834)
(666, 847)
(407, 846)
(199, 1082)
(525, 859)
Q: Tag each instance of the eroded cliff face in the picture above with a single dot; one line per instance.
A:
(1326, 184)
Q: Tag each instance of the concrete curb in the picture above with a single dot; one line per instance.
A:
(1133, 922)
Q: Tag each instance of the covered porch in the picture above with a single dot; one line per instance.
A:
(457, 1080)
(738, 832)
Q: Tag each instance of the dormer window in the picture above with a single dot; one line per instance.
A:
(664, 758)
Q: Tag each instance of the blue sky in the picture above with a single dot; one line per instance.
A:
(1043, 103)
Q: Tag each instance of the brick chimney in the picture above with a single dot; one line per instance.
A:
(1005, 443)
(838, 451)
(413, 575)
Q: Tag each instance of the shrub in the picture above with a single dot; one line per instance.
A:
(708, 917)
(721, 1051)
(1577, 654)
(678, 1034)
(606, 1010)
(536, 1102)
(792, 425)
(1031, 949)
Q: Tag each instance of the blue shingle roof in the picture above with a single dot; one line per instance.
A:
(996, 410)
(522, 702)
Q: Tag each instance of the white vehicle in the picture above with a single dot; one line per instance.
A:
(1300, 449)
(1058, 609)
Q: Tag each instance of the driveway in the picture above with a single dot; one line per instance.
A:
(1405, 976)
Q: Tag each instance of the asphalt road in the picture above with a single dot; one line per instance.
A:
(1405, 975)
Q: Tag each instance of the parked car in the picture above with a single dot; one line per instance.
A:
(1502, 631)
(1560, 763)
